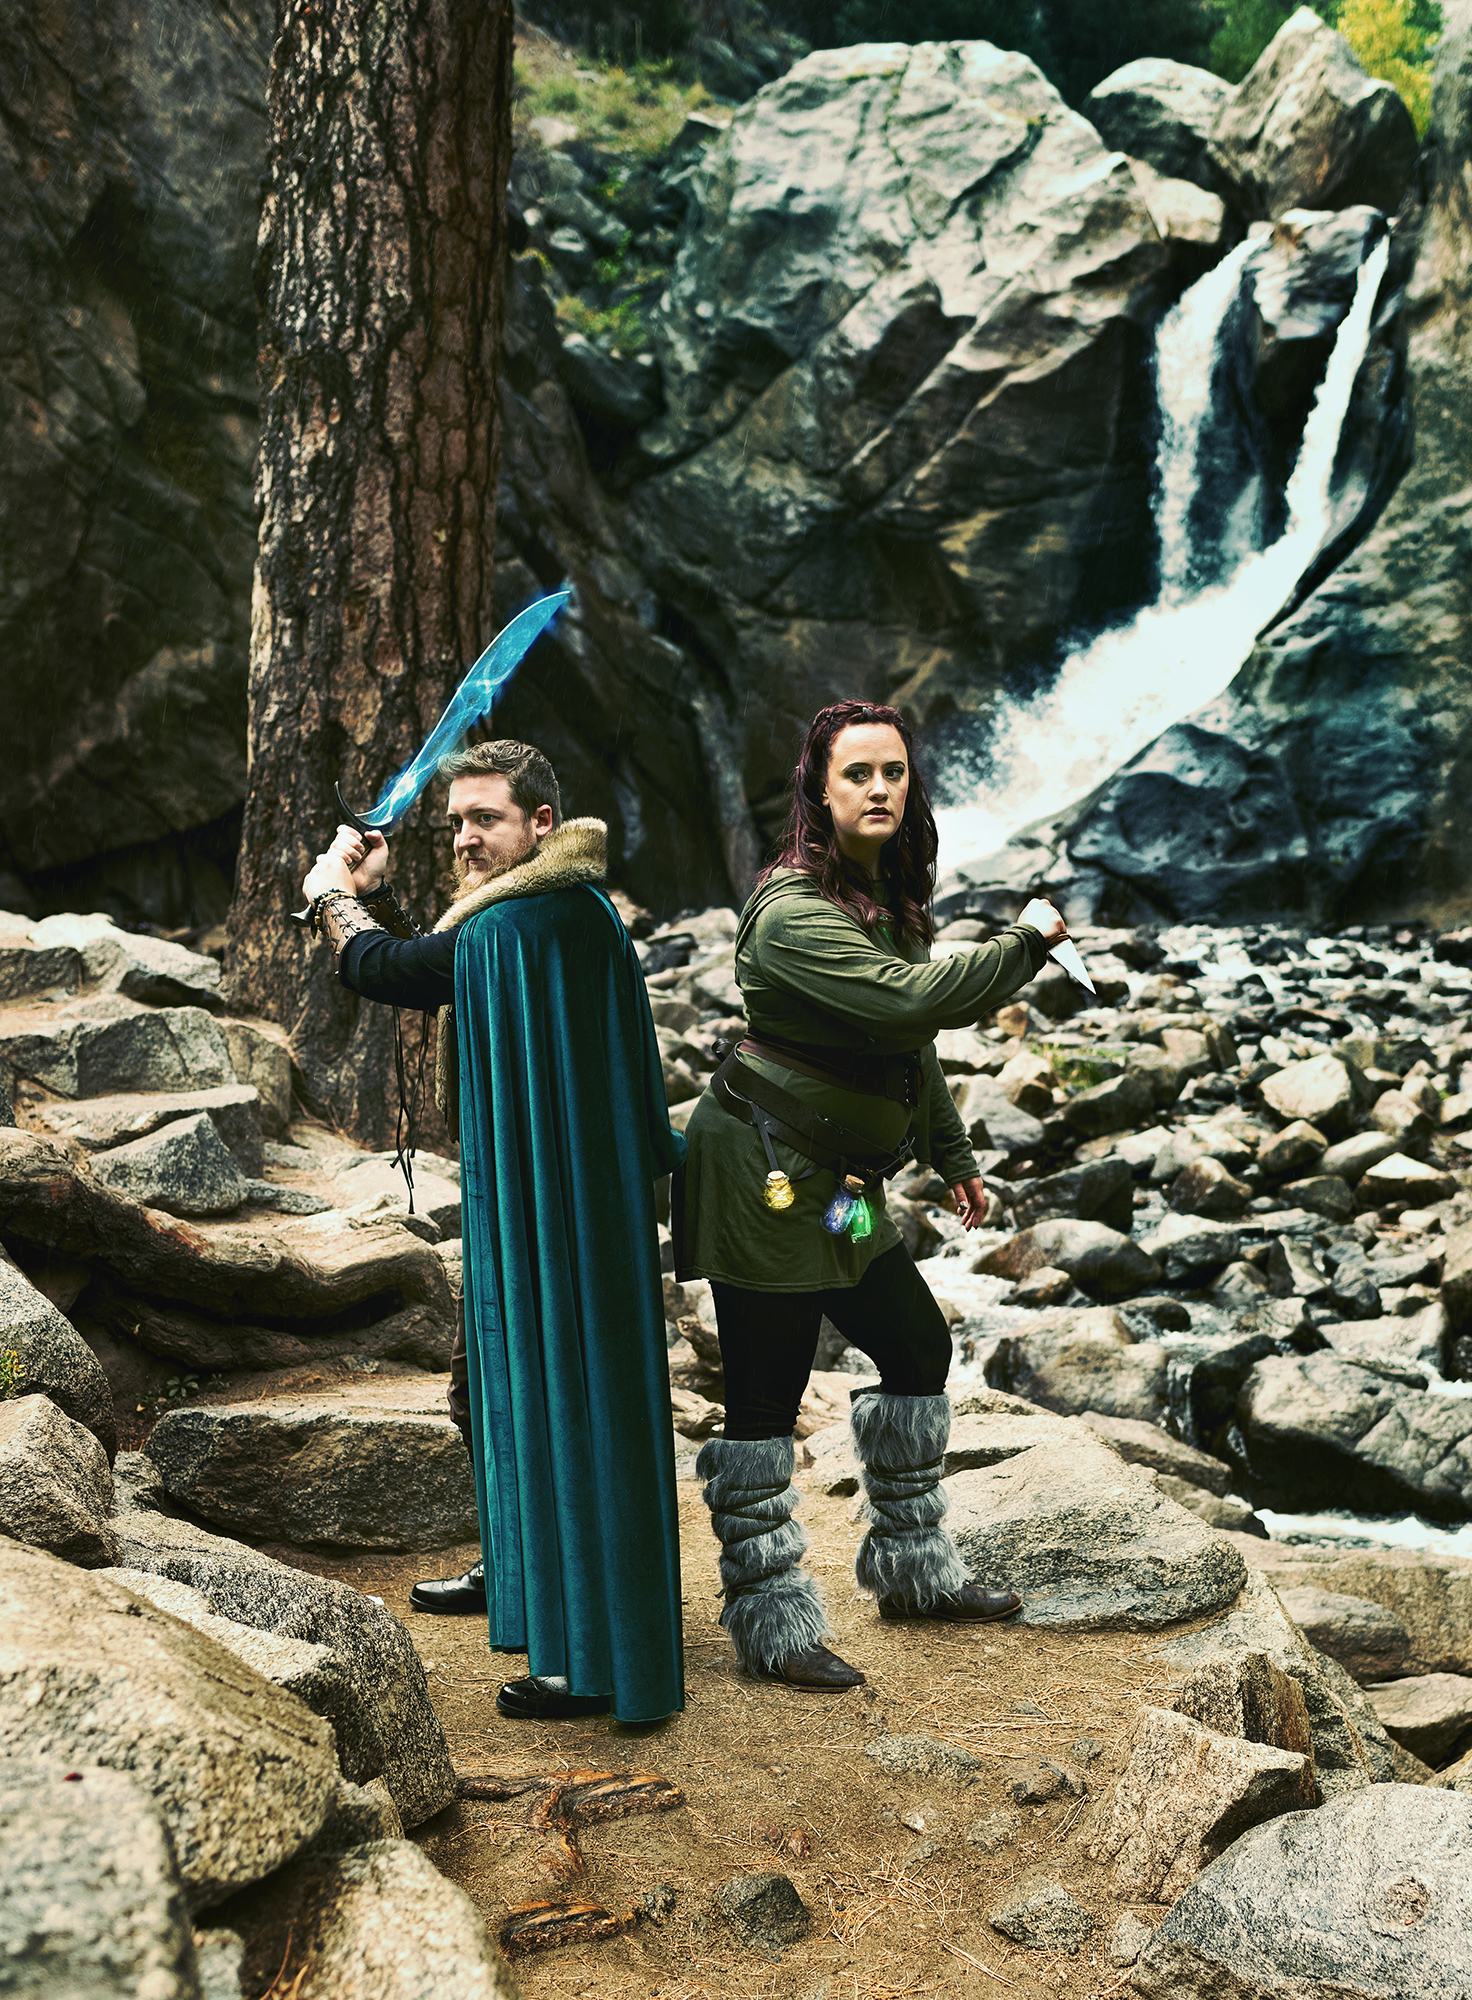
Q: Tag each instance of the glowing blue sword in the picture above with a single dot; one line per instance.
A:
(470, 701)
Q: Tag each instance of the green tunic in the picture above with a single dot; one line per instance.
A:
(809, 973)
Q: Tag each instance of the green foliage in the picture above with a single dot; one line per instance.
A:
(1081, 1069)
(10, 1374)
(179, 1388)
(1247, 28)
(635, 111)
(620, 327)
(1392, 39)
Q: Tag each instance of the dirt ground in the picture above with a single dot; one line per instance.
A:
(775, 1779)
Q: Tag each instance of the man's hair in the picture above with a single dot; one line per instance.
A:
(533, 781)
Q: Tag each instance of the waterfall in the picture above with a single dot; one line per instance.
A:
(1119, 691)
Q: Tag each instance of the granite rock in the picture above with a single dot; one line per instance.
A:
(1368, 1896)
(93, 1900)
(1186, 1794)
(240, 1772)
(388, 1729)
(55, 1485)
(1088, 1541)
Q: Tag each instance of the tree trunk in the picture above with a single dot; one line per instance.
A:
(381, 287)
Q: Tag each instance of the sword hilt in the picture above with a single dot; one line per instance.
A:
(350, 818)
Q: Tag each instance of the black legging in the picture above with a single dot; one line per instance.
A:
(769, 1340)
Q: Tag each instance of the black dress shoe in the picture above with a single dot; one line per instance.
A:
(532, 1700)
(454, 1594)
(968, 1605)
(816, 1670)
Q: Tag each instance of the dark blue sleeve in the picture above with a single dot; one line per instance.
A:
(403, 972)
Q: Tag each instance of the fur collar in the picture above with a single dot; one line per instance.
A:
(573, 853)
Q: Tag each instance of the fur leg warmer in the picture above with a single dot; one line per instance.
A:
(772, 1605)
(900, 1443)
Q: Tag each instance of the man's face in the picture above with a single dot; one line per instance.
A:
(491, 831)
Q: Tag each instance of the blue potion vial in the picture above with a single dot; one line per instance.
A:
(847, 1197)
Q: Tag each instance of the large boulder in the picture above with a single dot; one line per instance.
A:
(1186, 1794)
(1095, 1191)
(1147, 1444)
(994, 1121)
(93, 1902)
(1369, 1896)
(1368, 1640)
(1186, 1247)
(241, 1773)
(1101, 1261)
(379, 1922)
(1161, 112)
(1112, 1106)
(1430, 1714)
(1409, 1182)
(1313, 1426)
(92, 1046)
(52, 1355)
(1429, 1596)
(147, 968)
(184, 1168)
(55, 1485)
(1077, 1365)
(1308, 129)
(375, 1466)
(100, 1123)
(30, 968)
(1318, 1091)
(1088, 1541)
(387, 1728)
(1350, 1747)
(298, 1275)
(844, 373)
(1456, 1280)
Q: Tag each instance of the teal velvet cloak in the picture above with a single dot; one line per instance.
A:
(563, 1131)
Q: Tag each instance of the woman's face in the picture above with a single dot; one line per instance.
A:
(868, 783)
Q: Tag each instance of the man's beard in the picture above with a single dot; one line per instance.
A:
(469, 878)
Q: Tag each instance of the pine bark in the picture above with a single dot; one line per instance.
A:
(380, 283)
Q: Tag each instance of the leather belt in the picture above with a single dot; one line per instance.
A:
(822, 1140)
(898, 1077)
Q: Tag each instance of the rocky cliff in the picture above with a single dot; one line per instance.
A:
(893, 433)
(134, 139)
(1332, 778)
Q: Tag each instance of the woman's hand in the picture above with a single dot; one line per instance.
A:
(1043, 917)
(970, 1202)
(364, 854)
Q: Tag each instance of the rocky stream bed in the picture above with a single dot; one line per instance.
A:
(1225, 1278)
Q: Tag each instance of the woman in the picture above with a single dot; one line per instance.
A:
(782, 1208)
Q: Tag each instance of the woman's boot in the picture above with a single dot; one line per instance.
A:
(773, 1611)
(907, 1558)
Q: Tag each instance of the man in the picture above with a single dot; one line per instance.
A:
(561, 1386)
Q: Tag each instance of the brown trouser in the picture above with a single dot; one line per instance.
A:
(459, 1391)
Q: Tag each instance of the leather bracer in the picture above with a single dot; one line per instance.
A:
(339, 916)
(384, 906)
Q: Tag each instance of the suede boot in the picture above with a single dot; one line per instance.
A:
(907, 1558)
(773, 1611)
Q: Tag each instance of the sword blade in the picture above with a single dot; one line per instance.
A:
(1066, 955)
(470, 701)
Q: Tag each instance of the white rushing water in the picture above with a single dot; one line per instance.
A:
(1115, 694)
